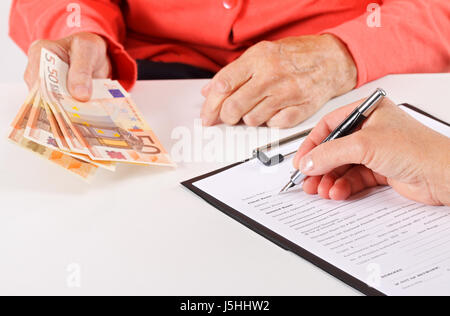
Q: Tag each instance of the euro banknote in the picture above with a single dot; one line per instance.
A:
(79, 136)
(42, 129)
(109, 127)
(78, 167)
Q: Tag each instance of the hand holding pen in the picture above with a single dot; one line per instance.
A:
(351, 123)
(391, 148)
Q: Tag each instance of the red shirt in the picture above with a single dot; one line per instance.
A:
(414, 36)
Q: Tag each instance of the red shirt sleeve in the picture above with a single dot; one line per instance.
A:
(31, 20)
(414, 37)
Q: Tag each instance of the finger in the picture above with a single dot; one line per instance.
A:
(31, 73)
(34, 57)
(84, 56)
(311, 185)
(243, 100)
(353, 181)
(290, 116)
(326, 184)
(326, 125)
(227, 81)
(263, 111)
(103, 69)
(352, 149)
(206, 89)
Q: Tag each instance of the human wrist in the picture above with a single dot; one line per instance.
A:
(440, 172)
(345, 70)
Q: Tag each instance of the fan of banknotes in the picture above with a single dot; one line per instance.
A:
(82, 137)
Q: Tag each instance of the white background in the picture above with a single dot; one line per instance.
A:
(13, 60)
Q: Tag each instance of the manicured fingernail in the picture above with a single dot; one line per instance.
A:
(81, 92)
(306, 164)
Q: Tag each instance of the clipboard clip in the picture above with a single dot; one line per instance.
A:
(260, 153)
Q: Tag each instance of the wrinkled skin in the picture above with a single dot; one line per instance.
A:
(279, 83)
(86, 54)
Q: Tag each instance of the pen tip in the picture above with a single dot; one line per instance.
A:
(288, 186)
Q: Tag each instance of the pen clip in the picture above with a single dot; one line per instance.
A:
(260, 152)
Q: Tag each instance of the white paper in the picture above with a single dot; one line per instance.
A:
(391, 243)
(437, 126)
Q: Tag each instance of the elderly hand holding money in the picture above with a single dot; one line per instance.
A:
(83, 136)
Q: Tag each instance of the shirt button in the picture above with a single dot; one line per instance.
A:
(230, 4)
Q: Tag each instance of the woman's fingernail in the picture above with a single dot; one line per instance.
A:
(306, 164)
(81, 91)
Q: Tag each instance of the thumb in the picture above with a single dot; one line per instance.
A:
(80, 78)
(328, 156)
(83, 59)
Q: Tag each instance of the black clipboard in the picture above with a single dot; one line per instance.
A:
(280, 240)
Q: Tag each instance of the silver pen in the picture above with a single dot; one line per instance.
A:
(348, 126)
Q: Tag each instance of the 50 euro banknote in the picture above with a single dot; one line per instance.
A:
(81, 168)
(42, 128)
(109, 127)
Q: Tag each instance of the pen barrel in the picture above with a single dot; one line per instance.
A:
(368, 106)
(298, 177)
(348, 127)
(358, 116)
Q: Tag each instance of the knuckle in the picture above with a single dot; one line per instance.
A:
(88, 39)
(78, 78)
(280, 121)
(293, 117)
(285, 123)
(231, 107)
(27, 77)
(252, 120)
(222, 82)
(104, 72)
(324, 120)
(81, 73)
(28, 74)
(85, 37)
(230, 113)
(361, 146)
(330, 117)
(76, 81)
(39, 43)
(266, 46)
(227, 119)
(36, 46)
(262, 51)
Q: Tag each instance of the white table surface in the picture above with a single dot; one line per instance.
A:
(138, 231)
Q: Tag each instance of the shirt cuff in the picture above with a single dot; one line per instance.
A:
(346, 33)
